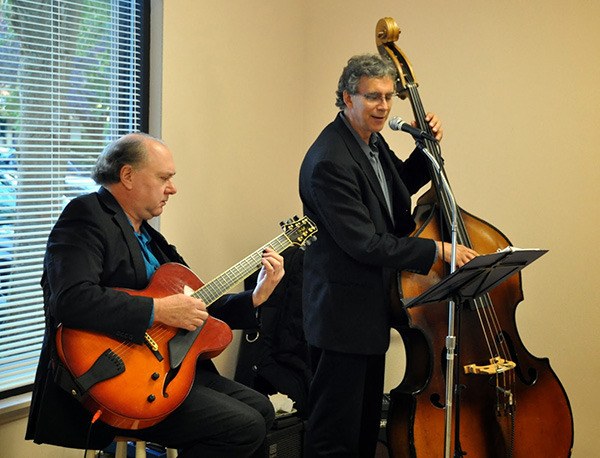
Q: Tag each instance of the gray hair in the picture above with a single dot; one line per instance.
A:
(369, 65)
(129, 149)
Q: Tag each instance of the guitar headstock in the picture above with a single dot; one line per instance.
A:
(299, 231)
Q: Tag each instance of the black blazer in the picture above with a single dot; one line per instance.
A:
(92, 249)
(348, 270)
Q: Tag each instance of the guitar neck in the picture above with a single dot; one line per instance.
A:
(215, 288)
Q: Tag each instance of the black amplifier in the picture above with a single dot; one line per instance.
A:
(284, 440)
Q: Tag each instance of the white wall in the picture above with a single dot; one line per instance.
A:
(514, 82)
(247, 86)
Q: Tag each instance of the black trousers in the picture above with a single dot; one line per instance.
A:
(219, 418)
(344, 404)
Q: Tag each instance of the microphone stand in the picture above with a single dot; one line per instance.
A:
(450, 338)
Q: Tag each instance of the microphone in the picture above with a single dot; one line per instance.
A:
(397, 123)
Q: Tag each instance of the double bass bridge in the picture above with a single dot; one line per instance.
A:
(497, 365)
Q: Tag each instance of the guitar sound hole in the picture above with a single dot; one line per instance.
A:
(169, 377)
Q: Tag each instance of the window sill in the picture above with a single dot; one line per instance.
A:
(14, 408)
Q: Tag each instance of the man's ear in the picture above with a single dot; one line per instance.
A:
(347, 99)
(126, 176)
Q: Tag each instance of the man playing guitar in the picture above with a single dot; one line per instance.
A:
(103, 244)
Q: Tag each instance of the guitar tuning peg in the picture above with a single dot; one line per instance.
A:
(307, 242)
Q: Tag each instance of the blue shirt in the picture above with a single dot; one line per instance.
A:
(150, 260)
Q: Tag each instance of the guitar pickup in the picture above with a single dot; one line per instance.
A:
(153, 346)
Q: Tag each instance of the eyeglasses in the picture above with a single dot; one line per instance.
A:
(375, 97)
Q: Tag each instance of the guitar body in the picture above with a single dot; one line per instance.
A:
(148, 389)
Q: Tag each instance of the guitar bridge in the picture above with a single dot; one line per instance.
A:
(153, 346)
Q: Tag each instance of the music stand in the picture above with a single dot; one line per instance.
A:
(478, 276)
(470, 281)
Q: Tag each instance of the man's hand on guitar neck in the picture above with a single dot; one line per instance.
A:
(269, 276)
(180, 311)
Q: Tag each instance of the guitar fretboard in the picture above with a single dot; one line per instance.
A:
(215, 288)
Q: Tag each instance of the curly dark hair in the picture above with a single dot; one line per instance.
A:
(370, 65)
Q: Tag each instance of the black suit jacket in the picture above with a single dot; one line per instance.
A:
(359, 248)
(91, 250)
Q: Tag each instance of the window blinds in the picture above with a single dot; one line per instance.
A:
(71, 80)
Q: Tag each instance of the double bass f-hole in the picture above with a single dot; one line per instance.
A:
(506, 401)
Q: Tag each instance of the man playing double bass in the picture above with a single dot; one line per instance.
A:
(358, 193)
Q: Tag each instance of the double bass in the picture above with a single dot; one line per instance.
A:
(506, 402)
